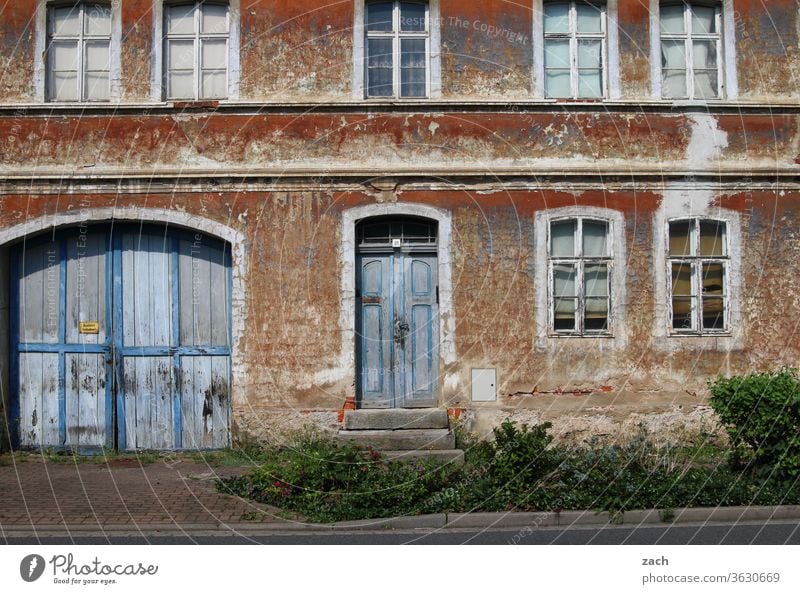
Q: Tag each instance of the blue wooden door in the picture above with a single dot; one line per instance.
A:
(397, 321)
(121, 341)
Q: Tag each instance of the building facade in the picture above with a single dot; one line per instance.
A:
(220, 220)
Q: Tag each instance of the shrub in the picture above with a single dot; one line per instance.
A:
(761, 412)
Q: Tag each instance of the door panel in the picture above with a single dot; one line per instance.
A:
(86, 287)
(397, 318)
(205, 402)
(421, 315)
(39, 293)
(85, 400)
(374, 321)
(146, 298)
(39, 410)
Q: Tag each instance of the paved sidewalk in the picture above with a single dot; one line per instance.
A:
(119, 492)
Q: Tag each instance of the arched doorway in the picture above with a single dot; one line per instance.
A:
(397, 312)
(121, 338)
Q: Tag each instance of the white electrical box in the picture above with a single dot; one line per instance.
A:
(484, 385)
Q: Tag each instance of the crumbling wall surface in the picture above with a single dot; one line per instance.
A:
(137, 50)
(296, 51)
(533, 142)
(767, 52)
(487, 49)
(633, 18)
(17, 43)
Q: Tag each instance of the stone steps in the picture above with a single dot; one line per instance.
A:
(401, 439)
(396, 419)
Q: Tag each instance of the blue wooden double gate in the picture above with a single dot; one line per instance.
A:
(397, 319)
(121, 339)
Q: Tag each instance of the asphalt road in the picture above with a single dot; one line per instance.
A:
(708, 534)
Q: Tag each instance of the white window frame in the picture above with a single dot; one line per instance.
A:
(688, 37)
(698, 263)
(574, 36)
(158, 70)
(41, 68)
(198, 37)
(580, 261)
(397, 35)
(726, 58)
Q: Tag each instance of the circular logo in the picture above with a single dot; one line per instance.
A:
(31, 568)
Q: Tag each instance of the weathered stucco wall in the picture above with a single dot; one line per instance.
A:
(301, 51)
(291, 338)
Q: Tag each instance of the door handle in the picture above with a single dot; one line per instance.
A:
(401, 330)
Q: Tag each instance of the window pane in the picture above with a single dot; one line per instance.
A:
(380, 68)
(97, 19)
(564, 281)
(704, 20)
(181, 55)
(595, 234)
(96, 86)
(379, 16)
(214, 18)
(412, 16)
(672, 19)
(412, 53)
(66, 21)
(97, 55)
(673, 54)
(713, 238)
(558, 83)
(412, 82)
(181, 85)
(590, 83)
(595, 318)
(704, 54)
(589, 18)
(64, 86)
(713, 314)
(556, 17)
(564, 317)
(682, 279)
(706, 84)
(713, 279)
(180, 19)
(562, 239)
(214, 84)
(556, 53)
(215, 54)
(674, 83)
(64, 55)
(682, 313)
(680, 238)
(596, 280)
(589, 54)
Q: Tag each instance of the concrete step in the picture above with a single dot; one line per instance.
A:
(406, 439)
(455, 457)
(396, 418)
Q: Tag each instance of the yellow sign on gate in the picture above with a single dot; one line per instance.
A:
(90, 327)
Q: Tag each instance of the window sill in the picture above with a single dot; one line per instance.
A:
(700, 335)
(584, 336)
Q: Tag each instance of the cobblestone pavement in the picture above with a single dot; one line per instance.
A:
(119, 492)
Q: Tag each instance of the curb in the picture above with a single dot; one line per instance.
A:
(481, 520)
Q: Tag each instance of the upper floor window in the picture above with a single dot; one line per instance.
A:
(78, 52)
(580, 260)
(196, 38)
(397, 49)
(698, 262)
(574, 49)
(691, 46)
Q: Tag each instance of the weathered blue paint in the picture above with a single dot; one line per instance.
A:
(177, 418)
(13, 350)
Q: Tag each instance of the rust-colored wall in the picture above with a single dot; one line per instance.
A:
(487, 48)
(137, 45)
(633, 17)
(17, 40)
(298, 50)
(767, 48)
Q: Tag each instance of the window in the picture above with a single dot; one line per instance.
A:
(580, 265)
(574, 49)
(691, 45)
(698, 265)
(397, 50)
(79, 52)
(196, 51)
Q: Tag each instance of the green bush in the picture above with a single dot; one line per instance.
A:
(761, 413)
